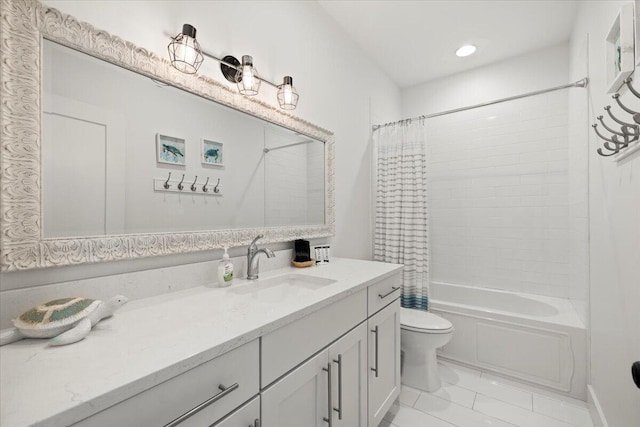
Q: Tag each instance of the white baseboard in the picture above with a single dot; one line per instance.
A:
(597, 416)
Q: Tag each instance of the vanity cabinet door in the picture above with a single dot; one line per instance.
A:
(384, 361)
(301, 398)
(349, 379)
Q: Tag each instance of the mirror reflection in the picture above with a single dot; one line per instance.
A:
(124, 154)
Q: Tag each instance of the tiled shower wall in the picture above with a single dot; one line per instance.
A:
(294, 185)
(579, 183)
(499, 196)
(286, 186)
(315, 183)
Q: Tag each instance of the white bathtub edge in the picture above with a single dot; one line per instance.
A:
(568, 315)
(597, 415)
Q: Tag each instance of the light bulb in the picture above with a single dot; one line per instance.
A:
(247, 77)
(287, 95)
(184, 51)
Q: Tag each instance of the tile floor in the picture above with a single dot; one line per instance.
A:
(471, 398)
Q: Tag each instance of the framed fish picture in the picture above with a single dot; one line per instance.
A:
(170, 150)
(212, 153)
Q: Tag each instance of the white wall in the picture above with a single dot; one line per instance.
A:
(614, 206)
(340, 89)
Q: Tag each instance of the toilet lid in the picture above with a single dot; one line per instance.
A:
(423, 320)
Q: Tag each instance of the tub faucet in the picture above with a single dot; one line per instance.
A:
(253, 262)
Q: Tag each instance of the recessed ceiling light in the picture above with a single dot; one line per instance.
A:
(466, 50)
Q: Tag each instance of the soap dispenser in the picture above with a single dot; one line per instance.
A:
(225, 270)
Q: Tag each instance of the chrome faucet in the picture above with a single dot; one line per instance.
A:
(253, 262)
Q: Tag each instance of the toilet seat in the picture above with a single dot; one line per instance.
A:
(423, 321)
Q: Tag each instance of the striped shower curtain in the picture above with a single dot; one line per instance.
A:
(402, 226)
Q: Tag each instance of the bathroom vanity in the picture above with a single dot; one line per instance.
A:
(298, 347)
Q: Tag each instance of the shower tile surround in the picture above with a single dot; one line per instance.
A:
(293, 181)
(499, 196)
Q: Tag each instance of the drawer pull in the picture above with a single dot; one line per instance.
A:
(339, 409)
(329, 405)
(375, 331)
(223, 392)
(393, 289)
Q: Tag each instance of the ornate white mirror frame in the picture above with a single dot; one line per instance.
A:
(25, 23)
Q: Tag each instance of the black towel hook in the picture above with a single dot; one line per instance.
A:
(628, 81)
(616, 96)
(595, 127)
(625, 126)
(616, 144)
(604, 125)
(599, 150)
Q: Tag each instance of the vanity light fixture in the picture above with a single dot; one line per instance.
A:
(247, 77)
(186, 56)
(466, 50)
(287, 94)
(184, 51)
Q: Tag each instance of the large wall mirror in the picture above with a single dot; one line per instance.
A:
(109, 153)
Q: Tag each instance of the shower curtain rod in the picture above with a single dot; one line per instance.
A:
(306, 141)
(580, 83)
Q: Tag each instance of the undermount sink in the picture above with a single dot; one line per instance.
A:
(279, 287)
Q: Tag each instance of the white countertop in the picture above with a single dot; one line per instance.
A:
(151, 340)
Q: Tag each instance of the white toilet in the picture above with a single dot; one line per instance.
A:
(421, 333)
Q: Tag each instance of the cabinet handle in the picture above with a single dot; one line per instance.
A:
(223, 392)
(375, 331)
(393, 289)
(329, 405)
(256, 423)
(339, 410)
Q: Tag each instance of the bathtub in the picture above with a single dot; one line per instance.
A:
(529, 338)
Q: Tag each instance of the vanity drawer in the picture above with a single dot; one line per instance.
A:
(247, 415)
(381, 293)
(287, 347)
(169, 400)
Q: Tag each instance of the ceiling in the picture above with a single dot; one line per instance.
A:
(415, 41)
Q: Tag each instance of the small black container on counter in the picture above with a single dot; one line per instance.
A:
(302, 251)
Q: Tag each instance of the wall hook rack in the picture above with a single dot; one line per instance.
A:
(625, 141)
(168, 186)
